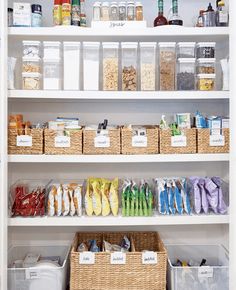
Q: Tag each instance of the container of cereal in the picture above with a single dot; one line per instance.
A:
(206, 50)
(52, 49)
(31, 64)
(52, 74)
(110, 66)
(31, 81)
(206, 66)
(167, 65)
(186, 74)
(186, 49)
(129, 66)
(31, 48)
(206, 82)
(148, 66)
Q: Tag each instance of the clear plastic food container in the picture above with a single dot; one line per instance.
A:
(206, 50)
(186, 74)
(91, 66)
(186, 49)
(31, 64)
(148, 66)
(167, 65)
(31, 48)
(129, 66)
(52, 74)
(71, 65)
(206, 82)
(110, 66)
(206, 66)
(31, 81)
(52, 49)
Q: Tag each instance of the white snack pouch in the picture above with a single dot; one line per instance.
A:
(72, 205)
(58, 200)
(66, 201)
(78, 200)
(51, 201)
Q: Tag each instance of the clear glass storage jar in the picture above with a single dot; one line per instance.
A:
(52, 78)
(122, 11)
(31, 81)
(167, 65)
(97, 11)
(206, 50)
(129, 66)
(186, 74)
(206, 66)
(31, 48)
(114, 11)
(31, 64)
(186, 49)
(52, 49)
(110, 66)
(206, 82)
(148, 66)
(105, 11)
(130, 11)
(91, 66)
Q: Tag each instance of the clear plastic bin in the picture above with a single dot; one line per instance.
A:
(110, 66)
(206, 50)
(216, 276)
(167, 65)
(206, 66)
(52, 74)
(186, 49)
(206, 82)
(71, 65)
(148, 66)
(43, 276)
(31, 81)
(91, 66)
(186, 74)
(31, 48)
(52, 49)
(129, 66)
(31, 64)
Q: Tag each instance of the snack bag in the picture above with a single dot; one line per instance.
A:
(66, 201)
(178, 197)
(149, 199)
(105, 189)
(113, 197)
(171, 196)
(51, 201)
(96, 197)
(72, 204)
(160, 183)
(143, 202)
(78, 200)
(134, 200)
(88, 199)
(58, 200)
(125, 193)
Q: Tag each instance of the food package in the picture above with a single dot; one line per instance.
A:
(96, 196)
(78, 200)
(88, 199)
(105, 189)
(113, 197)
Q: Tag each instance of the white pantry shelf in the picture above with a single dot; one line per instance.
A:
(117, 95)
(119, 221)
(117, 158)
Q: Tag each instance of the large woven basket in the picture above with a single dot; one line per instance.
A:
(89, 144)
(131, 276)
(75, 143)
(203, 142)
(37, 141)
(165, 142)
(152, 133)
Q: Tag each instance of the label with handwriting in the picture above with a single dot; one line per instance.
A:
(139, 141)
(118, 258)
(102, 141)
(217, 140)
(205, 272)
(62, 142)
(24, 141)
(179, 141)
(32, 274)
(149, 258)
(87, 258)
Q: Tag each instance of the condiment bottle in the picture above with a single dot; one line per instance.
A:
(209, 17)
(175, 18)
(83, 20)
(122, 11)
(57, 13)
(160, 20)
(66, 12)
(36, 19)
(105, 11)
(75, 14)
(97, 11)
(200, 19)
(222, 16)
(130, 11)
(139, 11)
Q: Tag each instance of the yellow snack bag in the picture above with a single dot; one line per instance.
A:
(88, 199)
(113, 197)
(96, 196)
(105, 188)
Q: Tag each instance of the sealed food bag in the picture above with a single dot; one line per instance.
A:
(65, 201)
(51, 201)
(96, 197)
(171, 196)
(89, 199)
(162, 196)
(72, 204)
(58, 200)
(149, 198)
(78, 200)
(142, 201)
(186, 194)
(205, 204)
(113, 197)
(196, 194)
(105, 188)
(125, 193)
(178, 198)
(133, 198)
(222, 208)
(212, 194)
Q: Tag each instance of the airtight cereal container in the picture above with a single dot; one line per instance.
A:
(52, 78)
(186, 49)
(206, 82)
(31, 81)
(52, 49)
(186, 74)
(206, 50)
(31, 64)
(206, 66)
(31, 48)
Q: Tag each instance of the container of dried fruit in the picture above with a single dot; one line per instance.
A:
(129, 66)
(206, 66)
(148, 66)
(185, 77)
(206, 82)
(31, 81)
(167, 65)
(31, 64)
(110, 66)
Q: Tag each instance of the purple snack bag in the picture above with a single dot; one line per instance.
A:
(212, 194)
(222, 208)
(205, 204)
(196, 194)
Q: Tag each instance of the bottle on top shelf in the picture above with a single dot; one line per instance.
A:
(175, 19)
(75, 13)
(222, 16)
(160, 19)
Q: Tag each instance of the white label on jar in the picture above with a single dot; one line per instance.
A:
(223, 17)
(217, 140)
(139, 141)
(178, 141)
(62, 142)
(24, 141)
(205, 272)
(149, 258)
(31, 274)
(102, 141)
(87, 258)
(118, 258)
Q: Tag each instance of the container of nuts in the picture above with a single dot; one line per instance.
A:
(129, 66)
(206, 65)
(206, 82)
(110, 66)
(31, 65)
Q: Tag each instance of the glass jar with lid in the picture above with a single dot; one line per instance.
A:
(122, 11)
(130, 11)
(114, 11)
(105, 11)
(139, 11)
(97, 11)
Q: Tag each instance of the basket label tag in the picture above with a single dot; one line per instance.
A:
(178, 141)
(118, 258)
(102, 141)
(32, 274)
(217, 140)
(149, 258)
(205, 272)
(87, 258)
(139, 141)
(62, 142)
(24, 141)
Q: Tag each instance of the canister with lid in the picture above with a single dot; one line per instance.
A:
(114, 11)
(206, 65)
(206, 49)
(122, 11)
(130, 11)
(105, 11)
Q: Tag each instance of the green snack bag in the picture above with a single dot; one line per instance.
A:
(136, 212)
(142, 202)
(134, 198)
(149, 197)
(125, 191)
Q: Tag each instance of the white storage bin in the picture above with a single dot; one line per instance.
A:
(216, 276)
(52, 49)
(71, 65)
(52, 74)
(91, 66)
(41, 277)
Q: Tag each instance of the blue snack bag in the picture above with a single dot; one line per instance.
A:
(160, 183)
(178, 197)
(171, 196)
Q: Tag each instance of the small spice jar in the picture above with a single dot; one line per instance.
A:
(186, 74)
(139, 11)
(97, 11)
(114, 11)
(206, 66)
(130, 11)
(105, 11)
(206, 50)
(206, 82)
(122, 11)
(36, 17)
